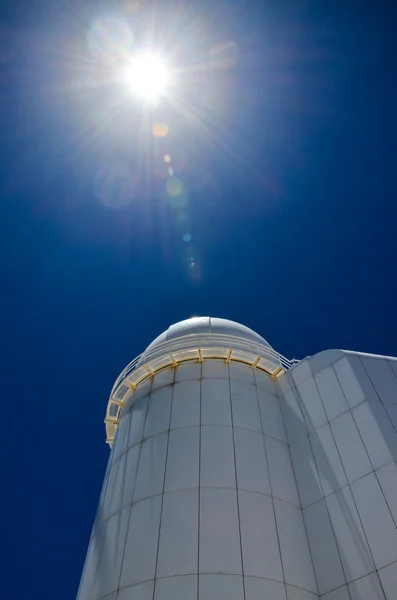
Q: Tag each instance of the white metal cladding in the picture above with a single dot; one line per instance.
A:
(193, 347)
(199, 501)
(340, 411)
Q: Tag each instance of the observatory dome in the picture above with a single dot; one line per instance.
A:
(207, 326)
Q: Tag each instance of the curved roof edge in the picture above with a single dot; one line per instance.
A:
(210, 326)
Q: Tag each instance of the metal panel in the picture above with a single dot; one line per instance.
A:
(219, 587)
(382, 378)
(186, 404)
(245, 406)
(271, 417)
(150, 475)
(141, 591)
(353, 548)
(219, 532)
(354, 380)
(388, 577)
(215, 402)
(376, 519)
(367, 588)
(261, 554)
(306, 474)
(138, 416)
(331, 393)
(217, 458)
(158, 415)
(298, 568)
(387, 477)
(140, 553)
(173, 588)
(281, 473)
(351, 449)
(327, 459)
(295, 424)
(121, 442)
(183, 459)
(108, 573)
(311, 404)
(327, 564)
(263, 589)
(251, 465)
(377, 433)
(178, 545)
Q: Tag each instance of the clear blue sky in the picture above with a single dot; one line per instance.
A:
(287, 160)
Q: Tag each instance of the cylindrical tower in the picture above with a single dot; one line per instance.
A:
(199, 497)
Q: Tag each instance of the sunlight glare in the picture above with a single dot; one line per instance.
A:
(148, 76)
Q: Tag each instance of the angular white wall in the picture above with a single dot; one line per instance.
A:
(340, 412)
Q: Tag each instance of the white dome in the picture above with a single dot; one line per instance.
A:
(207, 325)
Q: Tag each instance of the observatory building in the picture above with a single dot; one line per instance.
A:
(236, 474)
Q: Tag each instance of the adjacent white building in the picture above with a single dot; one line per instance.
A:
(236, 474)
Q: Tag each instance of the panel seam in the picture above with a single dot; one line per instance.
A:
(163, 492)
(237, 487)
(133, 490)
(271, 487)
(199, 490)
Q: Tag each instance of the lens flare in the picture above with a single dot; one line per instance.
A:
(160, 129)
(148, 76)
(174, 187)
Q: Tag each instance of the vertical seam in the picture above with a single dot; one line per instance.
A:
(384, 495)
(324, 496)
(199, 490)
(302, 509)
(364, 532)
(350, 410)
(362, 441)
(373, 470)
(296, 395)
(344, 471)
(365, 448)
(124, 413)
(271, 487)
(376, 391)
(133, 490)
(390, 367)
(237, 487)
(279, 390)
(303, 410)
(309, 433)
(162, 493)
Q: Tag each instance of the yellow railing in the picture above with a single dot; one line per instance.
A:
(192, 347)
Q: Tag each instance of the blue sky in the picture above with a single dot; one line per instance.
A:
(282, 137)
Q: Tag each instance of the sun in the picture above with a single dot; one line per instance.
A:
(148, 76)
